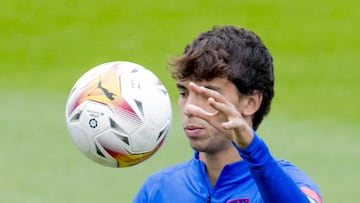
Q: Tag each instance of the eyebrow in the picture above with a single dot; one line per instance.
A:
(215, 88)
(180, 86)
(211, 87)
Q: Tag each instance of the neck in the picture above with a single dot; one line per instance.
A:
(215, 162)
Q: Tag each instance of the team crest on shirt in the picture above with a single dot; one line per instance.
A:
(239, 200)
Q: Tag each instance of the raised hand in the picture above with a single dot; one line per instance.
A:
(226, 116)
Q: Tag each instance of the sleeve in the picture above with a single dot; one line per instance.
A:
(274, 183)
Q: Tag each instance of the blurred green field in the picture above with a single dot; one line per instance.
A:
(46, 45)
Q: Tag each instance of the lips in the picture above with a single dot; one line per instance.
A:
(193, 131)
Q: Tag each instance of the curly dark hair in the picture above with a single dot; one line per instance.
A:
(237, 54)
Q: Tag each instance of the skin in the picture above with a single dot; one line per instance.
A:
(214, 114)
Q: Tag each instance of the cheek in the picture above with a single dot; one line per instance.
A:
(236, 101)
(181, 106)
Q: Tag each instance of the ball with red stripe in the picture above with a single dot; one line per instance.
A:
(118, 113)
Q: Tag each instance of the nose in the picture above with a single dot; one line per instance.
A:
(189, 101)
(192, 99)
(195, 100)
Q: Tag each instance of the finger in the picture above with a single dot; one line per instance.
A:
(199, 112)
(226, 108)
(206, 92)
(232, 124)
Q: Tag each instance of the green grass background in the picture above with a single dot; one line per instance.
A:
(46, 45)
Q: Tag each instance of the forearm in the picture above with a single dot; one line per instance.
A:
(274, 184)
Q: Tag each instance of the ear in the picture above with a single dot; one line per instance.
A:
(252, 103)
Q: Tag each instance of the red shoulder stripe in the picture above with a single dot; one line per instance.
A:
(311, 193)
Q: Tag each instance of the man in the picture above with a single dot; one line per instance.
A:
(225, 81)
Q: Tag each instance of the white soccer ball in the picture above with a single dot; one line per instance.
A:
(118, 114)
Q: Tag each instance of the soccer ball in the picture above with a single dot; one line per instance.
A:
(118, 114)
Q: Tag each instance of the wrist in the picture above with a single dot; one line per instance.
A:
(245, 138)
(256, 153)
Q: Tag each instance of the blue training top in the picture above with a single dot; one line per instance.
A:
(257, 178)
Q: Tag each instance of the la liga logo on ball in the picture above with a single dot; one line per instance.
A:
(118, 113)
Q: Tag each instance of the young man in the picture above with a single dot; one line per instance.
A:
(225, 81)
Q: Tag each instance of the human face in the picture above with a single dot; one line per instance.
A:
(203, 136)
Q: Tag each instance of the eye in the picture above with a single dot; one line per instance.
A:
(182, 93)
(182, 90)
